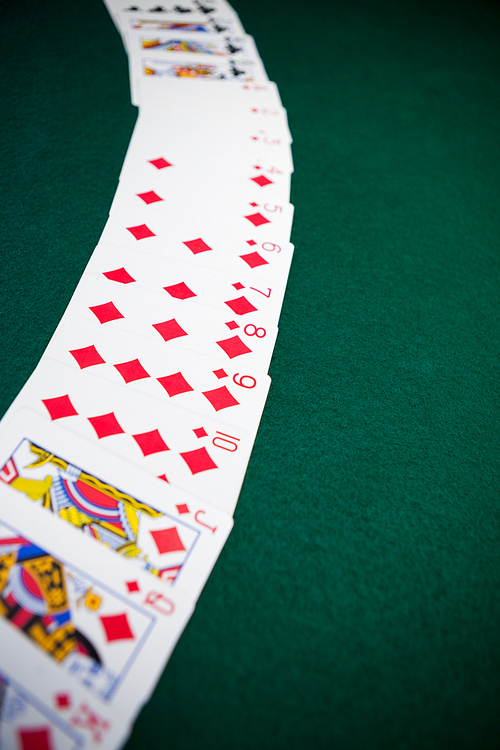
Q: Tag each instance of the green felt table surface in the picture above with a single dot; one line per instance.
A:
(356, 604)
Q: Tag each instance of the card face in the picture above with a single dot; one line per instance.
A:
(139, 184)
(175, 378)
(203, 115)
(216, 18)
(130, 225)
(223, 332)
(212, 166)
(44, 709)
(122, 458)
(69, 614)
(205, 25)
(191, 11)
(126, 268)
(166, 44)
(78, 605)
(162, 94)
(166, 109)
(193, 55)
(217, 70)
(203, 456)
(153, 526)
(207, 143)
(219, 252)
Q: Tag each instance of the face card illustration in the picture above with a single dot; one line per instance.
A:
(175, 44)
(55, 606)
(241, 70)
(214, 18)
(42, 708)
(154, 23)
(199, 63)
(203, 456)
(173, 536)
(109, 631)
(83, 626)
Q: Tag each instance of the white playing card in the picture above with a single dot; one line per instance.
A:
(43, 708)
(110, 631)
(261, 100)
(175, 43)
(225, 23)
(153, 228)
(212, 109)
(214, 70)
(173, 318)
(192, 55)
(121, 267)
(172, 9)
(204, 456)
(210, 141)
(216, 15)
(141, 183)
(151, 524)
(208, 247)
(207, 387)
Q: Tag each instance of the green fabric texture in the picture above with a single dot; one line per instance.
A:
(356, 602)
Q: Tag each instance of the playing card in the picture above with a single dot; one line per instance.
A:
(175, 7)
(261, 100)
(149, 523)
(42, 708)
(203, 456)
(252, 183)
(155, 22)
(173, 318)
(227, 70)
(172, 44)
(153, 228)
(193, 54)
(187, 9)
(210, 247)
(110, 628)
(177, 377)
(218, 132)
(219, 14)
(235, 290)
(203, 140)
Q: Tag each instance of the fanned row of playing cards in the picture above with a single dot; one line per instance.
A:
(122, 458)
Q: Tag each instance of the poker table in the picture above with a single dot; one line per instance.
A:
(356, 602)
